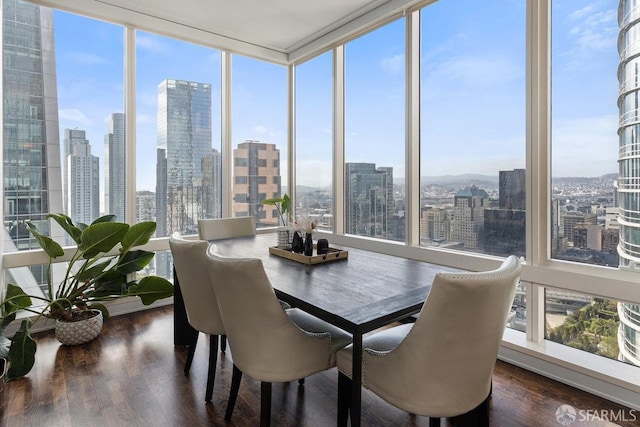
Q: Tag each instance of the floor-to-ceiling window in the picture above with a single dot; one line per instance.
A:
(472, 130)
(59, 91)
(178, 170)
(375, 134)
(314, 139)
(587, 114)
(259, 138)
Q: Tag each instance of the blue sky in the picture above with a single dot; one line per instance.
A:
(473, 91)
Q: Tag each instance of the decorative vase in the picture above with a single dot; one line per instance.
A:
(308, 244)
(284, 238)
(79, 331)
(297, 245)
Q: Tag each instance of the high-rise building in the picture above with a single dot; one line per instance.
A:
(71, 138)
(468, 216)
(31, 142)
(256, 177)
(368, 196)
(83, 178)
(184, 133)
(504, 227)
(512, 189)
(435, 224)
(145, 206)
(629, 170)
(32, 179)
(114, 162)
(573, 218)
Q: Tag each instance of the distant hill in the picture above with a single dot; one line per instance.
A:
(465, 179)
(479, 180)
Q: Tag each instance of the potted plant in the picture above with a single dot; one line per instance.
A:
(283, 205)
(98, 271)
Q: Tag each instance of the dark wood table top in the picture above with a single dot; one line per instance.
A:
(361, 293)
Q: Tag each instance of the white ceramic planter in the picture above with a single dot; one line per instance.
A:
(79, 332)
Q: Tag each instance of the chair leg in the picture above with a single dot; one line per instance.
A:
(344, 399)
(213, 359)
(301, 381)
(265, 404)
(477, 417)
(434, 422)
(223, 343)
(233, 392)
(190, 353)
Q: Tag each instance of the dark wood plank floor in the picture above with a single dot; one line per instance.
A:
(132, 375)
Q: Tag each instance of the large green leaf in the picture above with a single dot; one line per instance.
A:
(67, 224)
(111, 283)
(94, 271)
(15, 299)
(22, 354)
(152, 288)
(105, 218)
(53, 249)
(138, 234)
(134, 261)
(101, 237)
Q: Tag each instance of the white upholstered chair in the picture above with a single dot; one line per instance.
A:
(442, 365)
(225, 228)
(267, 343)
(190, 263)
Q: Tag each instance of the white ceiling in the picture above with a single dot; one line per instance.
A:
(279, 30)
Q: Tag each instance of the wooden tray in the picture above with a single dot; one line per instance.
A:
(332, 255)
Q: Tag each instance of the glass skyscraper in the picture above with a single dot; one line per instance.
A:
(184, 133)
(114, 162)
(629, 169)
(31, 141)
(368, 196)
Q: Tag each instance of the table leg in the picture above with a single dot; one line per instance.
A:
(356, 378)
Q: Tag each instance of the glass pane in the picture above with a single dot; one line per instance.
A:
(584, 135)
(178, 124)
(91, 113)
(259, 100)
(472, 142)
(596, 190)
(593, 324)
(314, 138)
(375, 133)
(56, 86)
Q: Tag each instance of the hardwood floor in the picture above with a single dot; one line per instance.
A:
(133, 375)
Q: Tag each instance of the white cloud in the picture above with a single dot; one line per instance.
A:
(593, 29)
(393, 65)
(87, 58)
(149, 43)
(74, 115)
(259, 129)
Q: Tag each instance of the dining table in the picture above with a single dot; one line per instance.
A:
(359, 293)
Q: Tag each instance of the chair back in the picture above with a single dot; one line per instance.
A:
(225, 228)
(190, 263)
(265, 343)
(444, 365)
